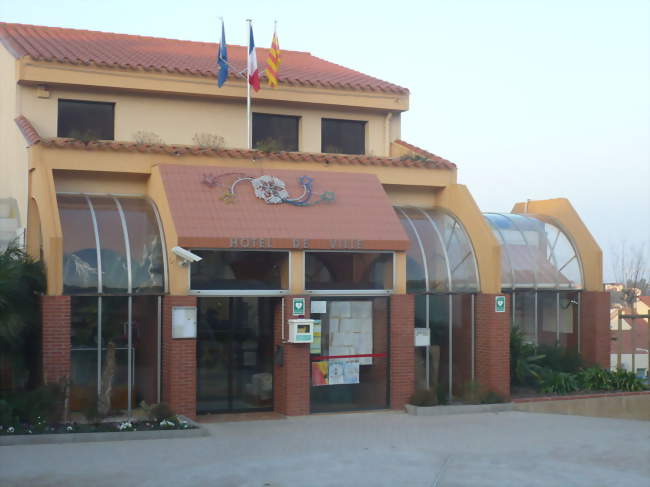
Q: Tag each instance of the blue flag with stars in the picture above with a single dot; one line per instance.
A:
(222, 58)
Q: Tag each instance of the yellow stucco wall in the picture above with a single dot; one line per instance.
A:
(176, 119)
(59, 74)
(13, 152)
(562, 213)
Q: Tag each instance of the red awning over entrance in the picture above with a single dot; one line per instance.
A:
(216, 207)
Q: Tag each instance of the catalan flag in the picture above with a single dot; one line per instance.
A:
(273, 63)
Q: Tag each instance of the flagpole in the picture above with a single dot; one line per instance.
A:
(249, 135)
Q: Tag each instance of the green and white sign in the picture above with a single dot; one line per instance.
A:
(298, 306)
(500, 304)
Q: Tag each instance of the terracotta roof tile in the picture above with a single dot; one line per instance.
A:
(428, 155)
(33, 137)
(176, 56)
(28, 131)
(361, 210)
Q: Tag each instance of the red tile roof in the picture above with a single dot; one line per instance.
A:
(361, 210)
(32, 137)
(169, 55)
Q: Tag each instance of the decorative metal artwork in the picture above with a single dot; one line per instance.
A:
(270, 189)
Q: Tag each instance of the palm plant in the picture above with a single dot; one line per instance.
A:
(21, 281)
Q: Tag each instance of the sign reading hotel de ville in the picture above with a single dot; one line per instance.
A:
(500, 304)
(298, 306)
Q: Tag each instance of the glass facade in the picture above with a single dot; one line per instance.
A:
(114, 268)
(535, 254)
(548, 317)
(441, 271)
(111, 245)
(349, 357)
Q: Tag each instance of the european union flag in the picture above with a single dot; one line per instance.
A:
(222, 58)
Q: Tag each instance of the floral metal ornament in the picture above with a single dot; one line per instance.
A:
(270, 189)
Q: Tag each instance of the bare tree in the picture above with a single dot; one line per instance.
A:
(631, 269)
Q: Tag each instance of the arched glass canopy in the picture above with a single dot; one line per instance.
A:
(535, 254)
(441, 257)
(111, 245)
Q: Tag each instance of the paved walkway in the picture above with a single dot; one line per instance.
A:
(362, 449)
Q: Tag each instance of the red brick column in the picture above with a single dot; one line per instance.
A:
(179, 362)
(402, 349)
(55, 337)
(595, 335)
(492, 345)
(291, 380)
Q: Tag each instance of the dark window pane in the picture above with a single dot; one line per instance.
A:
(86, 120)
(348, 270)
(79, 245)
(275, 132)
(343, 136)
(240, 270)
(147, 270)
(111, 242)
(83, 354)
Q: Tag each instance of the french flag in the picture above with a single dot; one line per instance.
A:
(253, 72)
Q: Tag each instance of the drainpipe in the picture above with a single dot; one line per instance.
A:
(389, 116)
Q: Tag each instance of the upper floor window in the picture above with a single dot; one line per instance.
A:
(273, 133)
(86, 120)
(343, 136)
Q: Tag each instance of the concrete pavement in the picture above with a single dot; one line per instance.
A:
(359, 449)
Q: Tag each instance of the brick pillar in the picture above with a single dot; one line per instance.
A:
(595, 335)
(179, 362)
(55, 337)
(492, 356)
(402, 349)
(291, 380)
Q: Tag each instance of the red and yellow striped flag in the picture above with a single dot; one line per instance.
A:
(273, 63)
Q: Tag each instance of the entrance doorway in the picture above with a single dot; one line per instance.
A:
(235, 354)
(349, 356)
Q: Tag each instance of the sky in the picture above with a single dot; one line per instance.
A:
(532, 99)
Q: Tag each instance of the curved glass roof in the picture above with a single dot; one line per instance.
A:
(441, 257)
(111, 245)
(534, 254)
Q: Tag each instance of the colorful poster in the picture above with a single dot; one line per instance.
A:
(336, 372)
(351, 372)
(315, 346)
(319, 372)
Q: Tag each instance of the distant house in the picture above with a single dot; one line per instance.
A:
(632, 341)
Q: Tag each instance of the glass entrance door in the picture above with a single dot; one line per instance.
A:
(349, 356)
(235, 354)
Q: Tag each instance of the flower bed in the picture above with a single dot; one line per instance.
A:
(40, 427)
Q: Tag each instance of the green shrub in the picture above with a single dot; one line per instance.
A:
(622, 380)
(525, 368)
(43, 403)
(424, 397)
(560, 359)
(558, 382)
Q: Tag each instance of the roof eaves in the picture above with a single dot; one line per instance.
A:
(27, 129)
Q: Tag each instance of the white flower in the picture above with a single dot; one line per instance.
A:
(70, 428)
(10, 429)
(270, 189)
(125, 426)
